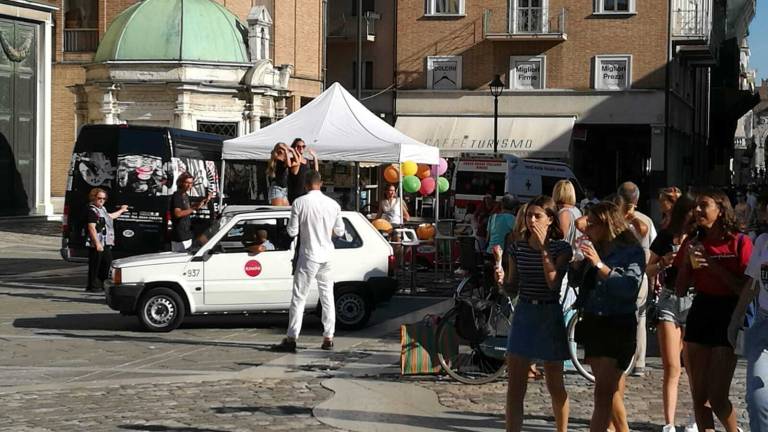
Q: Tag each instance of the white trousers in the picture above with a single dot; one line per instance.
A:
(306, 272)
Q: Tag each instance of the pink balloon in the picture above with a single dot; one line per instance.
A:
(427, 186)
(440, 169)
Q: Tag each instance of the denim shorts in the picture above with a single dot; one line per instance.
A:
(538, 332)
(672, 308)
(276, 192)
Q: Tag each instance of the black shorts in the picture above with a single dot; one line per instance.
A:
(708, 320)
(608, 336)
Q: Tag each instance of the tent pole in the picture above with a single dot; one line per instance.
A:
(221, 185)
(357, 186)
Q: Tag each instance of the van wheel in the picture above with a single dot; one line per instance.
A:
(160, 310)
(353, 309)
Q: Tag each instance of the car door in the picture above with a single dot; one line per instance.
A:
(240, 275)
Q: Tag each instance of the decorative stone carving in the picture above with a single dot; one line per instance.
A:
(15, 54)
(259, 33)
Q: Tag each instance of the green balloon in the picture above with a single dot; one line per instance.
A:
(411, 184)
(442, 184)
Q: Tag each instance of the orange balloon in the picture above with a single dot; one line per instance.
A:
(392, 174)
(424, 171)
(382, 225)
(425, 231)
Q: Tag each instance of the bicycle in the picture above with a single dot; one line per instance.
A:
(476, 362)
(481, 362)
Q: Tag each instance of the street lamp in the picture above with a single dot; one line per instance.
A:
(497, 86)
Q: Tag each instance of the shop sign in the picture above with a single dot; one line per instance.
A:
(613, 72)
(527, 73)
(444, 72)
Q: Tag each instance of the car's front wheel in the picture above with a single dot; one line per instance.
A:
(353, 309)
(160, 310)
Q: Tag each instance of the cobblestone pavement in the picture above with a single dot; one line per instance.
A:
(642, 400)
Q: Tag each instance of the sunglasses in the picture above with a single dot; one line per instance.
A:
(101, 198)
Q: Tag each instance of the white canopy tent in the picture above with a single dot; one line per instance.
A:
(338, 128)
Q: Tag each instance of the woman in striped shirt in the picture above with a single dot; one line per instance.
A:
(537, 263)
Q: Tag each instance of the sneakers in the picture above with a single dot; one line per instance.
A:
(668, 428)
(327, 345)
(287, 346)
(638, 372)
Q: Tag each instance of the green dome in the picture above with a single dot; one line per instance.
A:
(176, 30)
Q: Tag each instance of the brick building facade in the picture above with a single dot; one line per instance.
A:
(296, 39)
(632, 76)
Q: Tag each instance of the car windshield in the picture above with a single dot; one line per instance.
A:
(203, 238)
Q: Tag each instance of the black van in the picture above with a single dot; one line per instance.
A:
(138, 166)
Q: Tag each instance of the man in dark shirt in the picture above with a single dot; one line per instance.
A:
(181, 210)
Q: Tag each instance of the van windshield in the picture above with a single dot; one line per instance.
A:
(203, 238)
(480, 183)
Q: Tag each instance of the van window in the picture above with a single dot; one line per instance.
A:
(246, 232)
(480, 183)
(350, 240)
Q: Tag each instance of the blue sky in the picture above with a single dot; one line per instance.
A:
(758, 41)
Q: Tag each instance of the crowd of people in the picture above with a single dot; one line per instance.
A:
(706, 266)
(701, 267)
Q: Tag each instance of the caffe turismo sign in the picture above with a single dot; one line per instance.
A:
(546, 137)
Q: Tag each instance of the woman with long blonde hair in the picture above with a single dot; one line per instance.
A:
(282, 159)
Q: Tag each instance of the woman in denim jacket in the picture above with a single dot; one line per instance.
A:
(613, 267)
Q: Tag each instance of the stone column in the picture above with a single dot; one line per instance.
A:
(182, 115)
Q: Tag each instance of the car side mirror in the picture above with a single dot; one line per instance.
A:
(206, 255)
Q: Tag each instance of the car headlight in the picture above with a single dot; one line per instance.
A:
(117, 276)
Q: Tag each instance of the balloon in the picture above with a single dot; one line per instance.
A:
(427, 186)
(425, 232)
(382, 225)
(409, 168)
(423, 171)
(411, 184)
(440, 168)
(442, 184)
(391, 174)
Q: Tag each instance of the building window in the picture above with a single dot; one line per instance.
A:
(614, 6)
(219, 128)
(613, 72)
(368, 6)
(528, 16)
(527, 73)
(444, 72)
(81, 21)
(367, 75)
(444, 7)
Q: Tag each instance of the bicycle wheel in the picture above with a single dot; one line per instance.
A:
(474, 363)
(576, 351)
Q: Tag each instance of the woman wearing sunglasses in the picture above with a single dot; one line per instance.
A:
(296, 183)
(100, 237)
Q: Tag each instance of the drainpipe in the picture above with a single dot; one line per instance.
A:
(667, 87)
(325, 44)
(359, 89)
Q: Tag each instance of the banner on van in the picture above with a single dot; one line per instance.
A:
(525, 137)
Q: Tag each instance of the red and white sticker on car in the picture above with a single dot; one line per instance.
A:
(253, 268)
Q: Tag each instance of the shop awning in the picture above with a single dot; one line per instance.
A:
(526, 137)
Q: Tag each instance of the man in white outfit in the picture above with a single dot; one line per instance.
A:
(315, 218)
(631, 194)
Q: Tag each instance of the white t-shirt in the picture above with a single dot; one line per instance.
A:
(392, 211)
(757, 268)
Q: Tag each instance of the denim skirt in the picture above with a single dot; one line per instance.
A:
(538, 332)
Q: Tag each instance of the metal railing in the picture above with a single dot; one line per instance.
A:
(691, 18)
(524, 22)
(81, 40)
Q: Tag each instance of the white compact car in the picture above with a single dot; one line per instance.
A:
(222, 274)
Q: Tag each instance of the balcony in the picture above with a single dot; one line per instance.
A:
(691, 21)
(81, 40)
(343, 28)
(524, 24)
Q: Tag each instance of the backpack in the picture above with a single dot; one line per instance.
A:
(473, 319)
